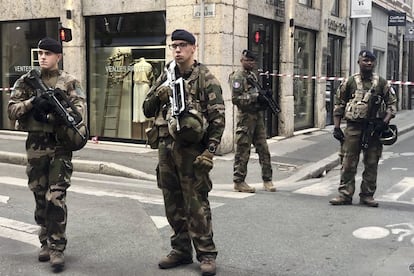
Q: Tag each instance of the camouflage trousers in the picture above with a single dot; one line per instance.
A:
(49, 170)
(185, 192)
(351, 150)
(251, 130)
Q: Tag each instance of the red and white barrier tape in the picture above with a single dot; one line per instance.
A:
(327, 78)
(298, 77)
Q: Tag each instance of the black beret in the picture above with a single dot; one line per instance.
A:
(50, 44)
(367, 54)
(180, 34)
(249, 54)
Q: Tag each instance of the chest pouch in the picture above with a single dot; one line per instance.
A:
(357, 108)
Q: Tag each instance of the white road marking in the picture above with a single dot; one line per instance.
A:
(399, 169)
(18, 225)
(323, 188)
(371, 233)
(4, 199)
(159, 221)
(19, 231)
(397, 190)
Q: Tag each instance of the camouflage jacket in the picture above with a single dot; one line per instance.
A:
(206, 98)
(346, 90)
(244, 94)
(20, 107)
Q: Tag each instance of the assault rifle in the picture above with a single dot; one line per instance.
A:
(58, 99)
(177, 99)
(370, 124)
(267, 96)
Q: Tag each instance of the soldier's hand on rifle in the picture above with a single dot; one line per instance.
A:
(42, 103)
(163, 93)
(261, 98)
(380, 126)
(338, 134)
(204, 161)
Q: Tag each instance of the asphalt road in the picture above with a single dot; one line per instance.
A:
(116, 226)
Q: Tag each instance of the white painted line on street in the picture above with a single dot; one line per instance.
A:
(399, 169)
(323, 188)
(397, 190)
(13, 181)
(19, 236)
(143, 198)
(4, 199)
(159, 221)
(19, 231)
(227, 194)
(371, 233)
(18, 225)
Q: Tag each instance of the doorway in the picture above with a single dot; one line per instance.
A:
(263, 40)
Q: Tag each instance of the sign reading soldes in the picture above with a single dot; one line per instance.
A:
(397, 18)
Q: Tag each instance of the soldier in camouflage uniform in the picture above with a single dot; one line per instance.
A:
(49, 167)
(250, 126)
(352, 103)
(186, 152)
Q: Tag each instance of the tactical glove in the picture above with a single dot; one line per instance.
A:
(338, 134)
(42, 103)
(381, 126)
(163, 93)
(204, 161)
(262, 98)
(40, 115)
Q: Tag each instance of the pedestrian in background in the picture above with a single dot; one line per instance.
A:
(250, 125)
(362, 99)
(49, 168)
(186, 145)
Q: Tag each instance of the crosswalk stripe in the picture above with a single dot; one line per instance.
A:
(141, 197)
(318, 189)
(159, 221)
(19, 236)
(19, 231)
(4, 199)
(18, 225)
(397, 190)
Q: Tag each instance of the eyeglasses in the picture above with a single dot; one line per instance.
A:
(182, 45)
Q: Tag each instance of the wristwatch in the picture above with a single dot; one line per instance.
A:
(212, 147)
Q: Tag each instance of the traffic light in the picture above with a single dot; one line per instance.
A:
(65, 34)
(259, 36)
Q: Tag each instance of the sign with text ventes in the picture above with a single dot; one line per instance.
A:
(397, 18)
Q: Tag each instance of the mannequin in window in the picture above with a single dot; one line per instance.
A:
(143, 77)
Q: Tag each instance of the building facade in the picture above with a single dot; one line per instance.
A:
(120, 47)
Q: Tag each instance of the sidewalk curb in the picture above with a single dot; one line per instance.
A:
(312, 170)
(107, 168)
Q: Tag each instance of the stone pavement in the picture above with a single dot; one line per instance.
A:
(307, 154)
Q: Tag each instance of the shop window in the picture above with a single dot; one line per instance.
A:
(305, 2)
(126, 55)
(303, 86)
(335, 8)
(18, 46)
(333, 69)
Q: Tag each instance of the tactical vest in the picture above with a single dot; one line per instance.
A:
(357, 108)
(192, 122)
